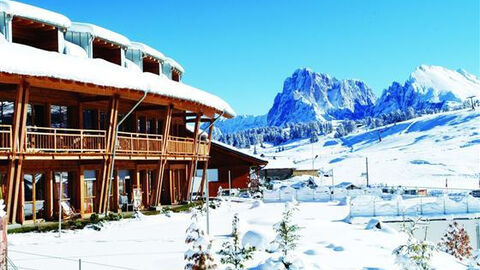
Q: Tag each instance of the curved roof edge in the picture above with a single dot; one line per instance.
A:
(34, 13)
(99, 32)
(175, 64)
(148, 50)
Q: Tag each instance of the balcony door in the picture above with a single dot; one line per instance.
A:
(89, 190)
(34, 188)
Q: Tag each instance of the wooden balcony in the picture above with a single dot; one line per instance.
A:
(64, 140)
(180, 146)
(139, 143)
(5, 138)
(83, 141)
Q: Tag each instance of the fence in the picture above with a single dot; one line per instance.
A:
(319, 194)
(368, 206)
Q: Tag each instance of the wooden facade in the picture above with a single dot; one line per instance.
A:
(227, 160)
(51, 135)
(65, 133)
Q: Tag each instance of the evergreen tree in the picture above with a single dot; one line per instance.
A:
(314, 137)
(233, 253)
(456, 242)
(287, 234)
(198, 256)
(415, 254)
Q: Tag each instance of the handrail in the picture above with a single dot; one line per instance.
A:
(48, 139)
(139, 143)
(6, 142)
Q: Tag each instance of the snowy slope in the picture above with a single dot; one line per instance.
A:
(421, 152)
(309, 96)
(429, 87)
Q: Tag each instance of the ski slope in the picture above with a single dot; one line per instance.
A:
(424, 151)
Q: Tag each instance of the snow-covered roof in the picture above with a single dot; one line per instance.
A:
(25, 60)
(99, 32)
(240, 151)
(175, 65)
(147, 50)
(34, 13)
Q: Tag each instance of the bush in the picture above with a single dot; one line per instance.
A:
(94, 218)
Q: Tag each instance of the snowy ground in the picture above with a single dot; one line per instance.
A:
(422, 152)
(157, 242)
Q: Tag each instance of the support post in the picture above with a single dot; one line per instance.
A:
(163, 159)
(191, 173)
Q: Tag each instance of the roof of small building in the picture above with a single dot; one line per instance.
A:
(147, 50)
(25, 60)
(175, 65)
(34, 13)
(99, 32)
(240, 152)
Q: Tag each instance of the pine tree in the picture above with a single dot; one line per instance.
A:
(456, 242)
(198, 256)
(415, 254)
(234, 253)
(287, 233)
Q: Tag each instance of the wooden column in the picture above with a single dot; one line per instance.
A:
(110, 144)
(81, 188)
(115, 191)
(163, 159)
(49, 206)
(190, 174)
(205, 165)
(19, 133)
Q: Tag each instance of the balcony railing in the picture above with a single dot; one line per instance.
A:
(5, 137)
(67, 140)
(58, 140)
(185, 146)
(139, 143)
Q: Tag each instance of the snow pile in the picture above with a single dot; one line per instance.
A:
(74, 50)
(34, 13)
(99, 32)
(25, 60)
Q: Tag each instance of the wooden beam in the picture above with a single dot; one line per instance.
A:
(163, 159)
(203, 120)
(93, 99)
(191, 172)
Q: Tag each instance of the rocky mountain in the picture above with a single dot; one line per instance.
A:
(239, 123)
(309, 96)
(429, 87)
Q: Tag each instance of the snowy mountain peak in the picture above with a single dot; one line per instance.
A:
(429, 87)
(309, 96)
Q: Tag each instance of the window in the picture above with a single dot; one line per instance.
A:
(59, 116)
(89, 119)
(6, 112)
(212, 175)
(34, 196)
(90, 190)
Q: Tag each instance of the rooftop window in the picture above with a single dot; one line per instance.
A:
(35, 34)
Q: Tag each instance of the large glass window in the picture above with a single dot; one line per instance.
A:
(59, 116)
(34, 196)
(124, 188)
(90, 190)
(89, 119)
(6, 112)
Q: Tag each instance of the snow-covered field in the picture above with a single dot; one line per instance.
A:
(423, 151)
(157, 242)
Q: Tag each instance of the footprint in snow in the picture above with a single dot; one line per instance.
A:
(335, 248)
(310, 252)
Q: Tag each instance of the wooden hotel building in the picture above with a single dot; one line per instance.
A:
(79, 104)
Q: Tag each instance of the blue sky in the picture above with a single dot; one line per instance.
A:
(243, 50)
